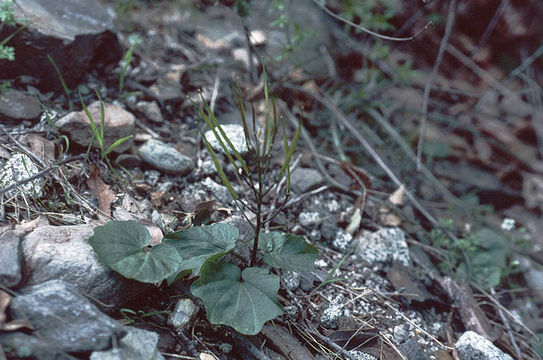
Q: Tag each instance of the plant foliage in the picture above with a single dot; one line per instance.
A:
(244, 299)
(124, 247)
(241, 298)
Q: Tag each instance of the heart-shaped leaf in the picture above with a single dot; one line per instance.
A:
(244, 300)
(198, 244)
(287, 251)
(123, 246)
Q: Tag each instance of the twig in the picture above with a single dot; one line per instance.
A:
(368, 31)
(490, 27)
(407, 149)
(442, 47)
(508, 328)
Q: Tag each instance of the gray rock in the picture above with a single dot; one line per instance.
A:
(151, 177)
(384, 247)
(412, 350)
(151, 110)
(77, 34)
(62, 252)
(65, 318)
(20, 167)
(307, 281)
(342, 240)
(192, 195)
(19, 106)
(10, 258)
(330, 316)
(118, 123)
(472, 346)
(328, 228)
(137, 344)
(220, 192)
(305, 179)
(183, 315)
(165, 158)
(291, 279)
(234, 133)
(309, 219)
(26, 346)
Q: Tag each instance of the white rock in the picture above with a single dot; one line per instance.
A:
(183, 314)
(20, 167)
(384, 247)
(472, 346)
(234, 133)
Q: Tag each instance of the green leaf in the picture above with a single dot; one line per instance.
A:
(123, 246)
(200, 243)
(244, 300)
(287, 251)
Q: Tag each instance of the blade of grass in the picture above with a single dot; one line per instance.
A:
(115, 145)
(289, 151)
(96, 133)
(62, 82)
(219, 168)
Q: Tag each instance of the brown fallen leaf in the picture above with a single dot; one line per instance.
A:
(285, 343)
(101, 190)
(5, 300)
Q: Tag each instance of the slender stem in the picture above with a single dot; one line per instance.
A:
(259, 200)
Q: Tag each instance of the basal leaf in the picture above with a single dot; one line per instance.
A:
(287, 251)
(200, 243)
(243, 300)
(123, 246)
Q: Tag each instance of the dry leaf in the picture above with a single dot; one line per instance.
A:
(285, 343)
(43, 148)
(13, 325)
(398, 196)
(101, 190)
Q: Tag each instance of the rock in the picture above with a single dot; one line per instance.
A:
(77, 34)
(26, 346)
(64, 318)
(20, 167)
(151, 111)
(330, 316)
(472, 346)
(234, 133)
(305, 179)
(328, 228)
(191, 195)
(62, 252)
(342, 240)
(309, 219)
(220, 192)
(291, 279)
(10, 258)
(128, 160)
(19, 106)
(384, 247)
(182, 316)
(151, 177)
(165, 158)
(118, 123)
(137, 344)
(412, 350)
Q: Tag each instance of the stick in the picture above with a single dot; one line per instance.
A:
(442, 47)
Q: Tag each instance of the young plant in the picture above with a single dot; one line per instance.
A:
(243, 298)
(98, 132)
(134, 40)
